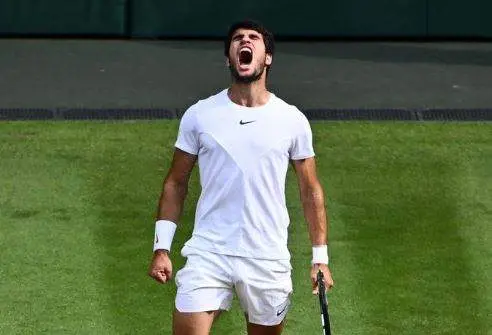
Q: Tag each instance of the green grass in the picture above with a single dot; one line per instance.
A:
(410, 240)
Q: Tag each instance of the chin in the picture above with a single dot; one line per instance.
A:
(245, 78)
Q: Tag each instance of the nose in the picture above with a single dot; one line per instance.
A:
(245, 39)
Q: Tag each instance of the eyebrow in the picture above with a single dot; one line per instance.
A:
(240, 35)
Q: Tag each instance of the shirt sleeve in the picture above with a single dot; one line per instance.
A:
(187, 135)
(302, 143)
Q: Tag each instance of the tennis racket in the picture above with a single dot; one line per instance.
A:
(325, 317)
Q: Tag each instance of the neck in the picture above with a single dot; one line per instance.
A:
(249, 95)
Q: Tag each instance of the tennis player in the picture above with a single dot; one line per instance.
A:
(243, 139)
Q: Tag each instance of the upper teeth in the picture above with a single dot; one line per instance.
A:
(245, 49)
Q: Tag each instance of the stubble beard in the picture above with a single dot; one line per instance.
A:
(246, 79)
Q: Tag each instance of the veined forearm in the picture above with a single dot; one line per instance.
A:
(171, 201)
(313, 203)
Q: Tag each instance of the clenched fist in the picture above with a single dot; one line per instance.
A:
(326, 277)
(161, 268)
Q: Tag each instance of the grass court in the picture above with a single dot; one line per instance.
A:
(410, 206)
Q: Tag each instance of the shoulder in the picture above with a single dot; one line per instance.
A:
(202, 106)
(208, 103)
(290, 112)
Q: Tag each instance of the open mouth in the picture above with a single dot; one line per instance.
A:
(245, 56)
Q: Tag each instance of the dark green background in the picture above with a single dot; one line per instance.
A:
(460, 18)
(193, 18)
(284, 17)
(72, 17)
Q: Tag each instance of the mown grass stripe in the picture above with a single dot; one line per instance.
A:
(410, 238)
(399, 204)
(50, 278)
(475, 211)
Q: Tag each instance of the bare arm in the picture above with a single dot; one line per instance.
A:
(313, 200)
(313, 203)
(170, 208)
(175, 186)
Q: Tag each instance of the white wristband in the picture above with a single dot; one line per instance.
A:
(164, 234)
(320, 254)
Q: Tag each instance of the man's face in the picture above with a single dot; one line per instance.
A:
(247, 56)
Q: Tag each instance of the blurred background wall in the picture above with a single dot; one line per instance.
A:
(286, 18)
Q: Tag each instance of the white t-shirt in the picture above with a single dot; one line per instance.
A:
(243, 157)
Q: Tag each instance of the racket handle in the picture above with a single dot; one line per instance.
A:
(325, 319)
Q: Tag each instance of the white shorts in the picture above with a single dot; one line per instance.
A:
(208, 280)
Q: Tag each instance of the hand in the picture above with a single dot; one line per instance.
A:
(161, 268)
(327, 277)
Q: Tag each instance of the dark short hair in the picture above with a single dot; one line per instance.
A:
(252, 25)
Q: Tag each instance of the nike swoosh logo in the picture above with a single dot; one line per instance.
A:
(245, 122)
(283, 310)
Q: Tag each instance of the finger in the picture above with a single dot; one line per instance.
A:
(314, 283)
(160, 277)
(328, 282)
(168, 273)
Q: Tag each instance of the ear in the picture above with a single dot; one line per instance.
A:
(268, 59)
